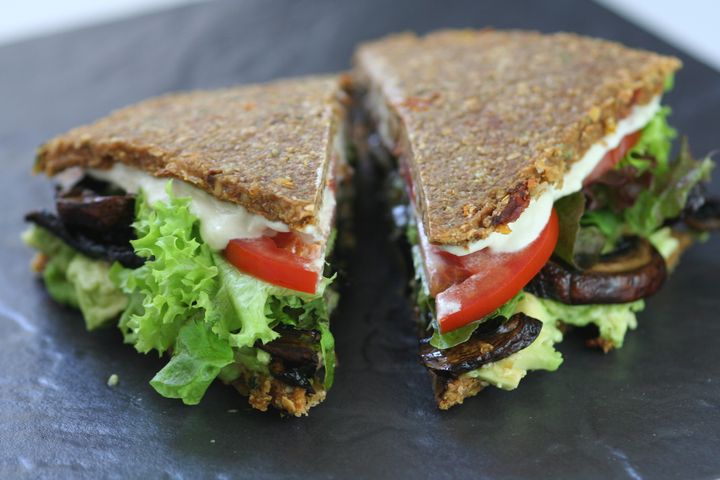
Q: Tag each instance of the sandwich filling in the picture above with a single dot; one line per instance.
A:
(223, 222)
(227, 293)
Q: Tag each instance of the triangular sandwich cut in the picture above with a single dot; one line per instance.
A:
(201, 224)
(533, 179)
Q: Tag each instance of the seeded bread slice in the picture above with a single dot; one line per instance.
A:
(487, 119)
(265, 147)
(264, 391)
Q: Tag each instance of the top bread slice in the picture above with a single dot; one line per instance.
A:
(266, 147)
(487, 119)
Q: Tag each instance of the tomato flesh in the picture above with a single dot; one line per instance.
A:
(613, 157)
(491, 279)
(442, 269)
(283, 260)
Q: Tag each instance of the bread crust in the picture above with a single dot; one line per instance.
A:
(451, 391)
(264, 391)
(488, 119)
(265, 147)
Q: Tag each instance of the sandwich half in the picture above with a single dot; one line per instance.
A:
(201, 224)
(531, 175)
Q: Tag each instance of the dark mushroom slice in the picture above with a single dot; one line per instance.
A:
(484, 346)
(633, 271)
(296, 376)
(106, 218)
(295, 358)
(84, 244)
(705, 218)
(298, 347)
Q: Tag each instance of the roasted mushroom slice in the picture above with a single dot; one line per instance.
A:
(84, 244)
(633, 271)
(297, 347)
(484, 346)
(106, 218)
(294, 357)
(705, 218)
(295, 376)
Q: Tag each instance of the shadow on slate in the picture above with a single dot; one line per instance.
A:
(650, 410)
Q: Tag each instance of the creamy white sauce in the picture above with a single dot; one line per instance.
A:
(533, 219)
(322, 228)
(220, 221)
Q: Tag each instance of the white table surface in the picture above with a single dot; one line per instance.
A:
(692, 25)
(22, 19)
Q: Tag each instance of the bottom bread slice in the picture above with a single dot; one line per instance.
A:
(451, 391)
(265, 391)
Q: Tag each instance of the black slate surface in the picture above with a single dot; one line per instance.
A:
(650, 410)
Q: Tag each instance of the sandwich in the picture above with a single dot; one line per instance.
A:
(202, 224)
(532, 178)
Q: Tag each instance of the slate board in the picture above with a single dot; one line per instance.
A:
(650, 410)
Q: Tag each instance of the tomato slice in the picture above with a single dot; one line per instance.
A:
(442, 269)
(283, 260)
(496, 278)
(613, 157)
(294, 244)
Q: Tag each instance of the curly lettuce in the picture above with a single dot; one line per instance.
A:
(652, 150)
(664, 242)
(177, 280)
(668, 192)
(653, 191)
(188, 300)
(73, 279)
(198, 357)
(612, 320)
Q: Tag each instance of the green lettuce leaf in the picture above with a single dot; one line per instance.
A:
(246, 358)
(669, 82)
(178, 278)
(309, 312)
(189, 299)
(664, 241)
(569, 210)
(668, 193)
(327, 350)
(254, 307)
(76, 280)
(670, 184)
(239, 313)
(99, 300)
(59, 257)
(652, 150)
(580, 242)
(184, 299)
(198, 357)
(612, 320)
(607, 222)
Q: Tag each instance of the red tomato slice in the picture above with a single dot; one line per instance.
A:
(612, 157)
(283, 260)
(503, 275)
(442, 269)
(294, 244)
